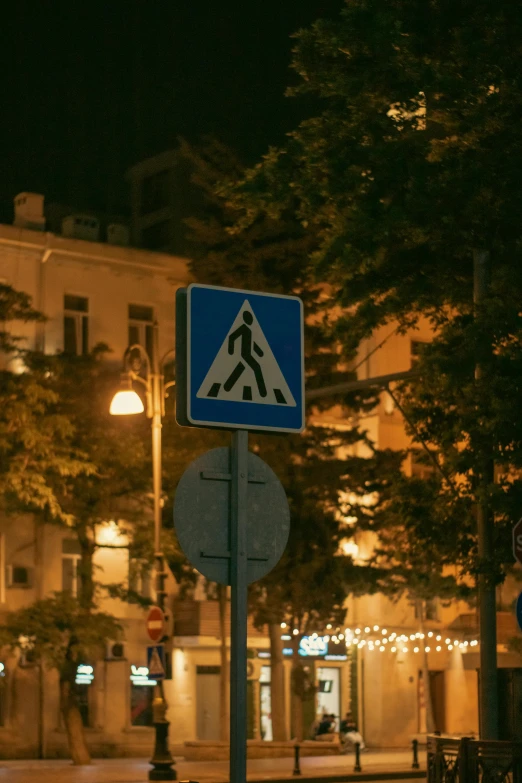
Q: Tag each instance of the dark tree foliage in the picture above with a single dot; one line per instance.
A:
(307, 589)
(37, 452)
(272, 255)
(58, 632)
(15, 308)
(413, 160)
(411, 165)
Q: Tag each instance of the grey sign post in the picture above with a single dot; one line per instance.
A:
(238, 616)
(230, 512)
(232, 521)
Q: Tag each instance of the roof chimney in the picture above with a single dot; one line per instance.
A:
(29, 212)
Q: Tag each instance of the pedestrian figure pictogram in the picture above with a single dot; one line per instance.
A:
(245, 368)
(244, 334)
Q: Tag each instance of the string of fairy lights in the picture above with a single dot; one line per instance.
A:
(376, 638)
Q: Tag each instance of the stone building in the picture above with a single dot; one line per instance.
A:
(93, 292)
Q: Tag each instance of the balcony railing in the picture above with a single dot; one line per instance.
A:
(201, 618)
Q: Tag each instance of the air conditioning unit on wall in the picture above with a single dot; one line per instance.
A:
(18, 576)
(115, 651)
(254, 668)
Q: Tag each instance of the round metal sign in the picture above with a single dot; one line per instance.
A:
(202, 516)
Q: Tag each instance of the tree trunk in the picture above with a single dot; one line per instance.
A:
(297, 717)
(85, 570)
(224, 678)
(69, 707)
(297, 692)
(41, 711)
(430, 723)
(277, 684)
(71, 715)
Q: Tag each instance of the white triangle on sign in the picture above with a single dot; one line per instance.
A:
(245, 368)
(156, 668)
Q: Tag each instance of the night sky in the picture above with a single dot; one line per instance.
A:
(90, 88)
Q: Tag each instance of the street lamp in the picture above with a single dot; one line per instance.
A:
(149, 372)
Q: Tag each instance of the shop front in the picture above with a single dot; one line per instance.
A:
(141, 696)
(84, 679)
(3, 694)
(329, 669)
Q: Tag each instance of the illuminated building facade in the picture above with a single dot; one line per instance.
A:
(94, 292)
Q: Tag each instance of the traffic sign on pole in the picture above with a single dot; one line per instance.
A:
(155, 624)
(239, 359)
(240, 366)
(156, 661)
(517, 541)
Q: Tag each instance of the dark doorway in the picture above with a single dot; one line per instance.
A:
(207, 702)
(438, 699)
(510, 704)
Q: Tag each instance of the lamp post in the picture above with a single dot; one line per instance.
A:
(149, 372)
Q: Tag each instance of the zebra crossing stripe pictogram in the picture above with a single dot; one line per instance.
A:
(245, 368)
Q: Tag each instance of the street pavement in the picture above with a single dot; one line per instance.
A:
(376, 765)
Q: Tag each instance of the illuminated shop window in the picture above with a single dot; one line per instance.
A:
(142, 695)
(84, 679)
(265, 694)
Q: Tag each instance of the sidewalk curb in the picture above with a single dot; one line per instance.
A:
(408, 774)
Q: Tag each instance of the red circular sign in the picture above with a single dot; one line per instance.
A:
(156, 624)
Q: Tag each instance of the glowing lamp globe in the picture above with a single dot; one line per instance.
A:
(126, 402)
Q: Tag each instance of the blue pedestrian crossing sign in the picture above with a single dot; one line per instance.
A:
(240, 359)
(156, 661)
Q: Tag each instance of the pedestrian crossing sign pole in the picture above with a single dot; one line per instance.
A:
(239, 366)
(241, 358)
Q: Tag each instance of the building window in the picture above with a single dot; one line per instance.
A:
(155, 192)
(19, 576)
(416, 349)
(431, 610)
(75, 325)
(421, 465)
(71, 556)
(141, 327)
(140, 581)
